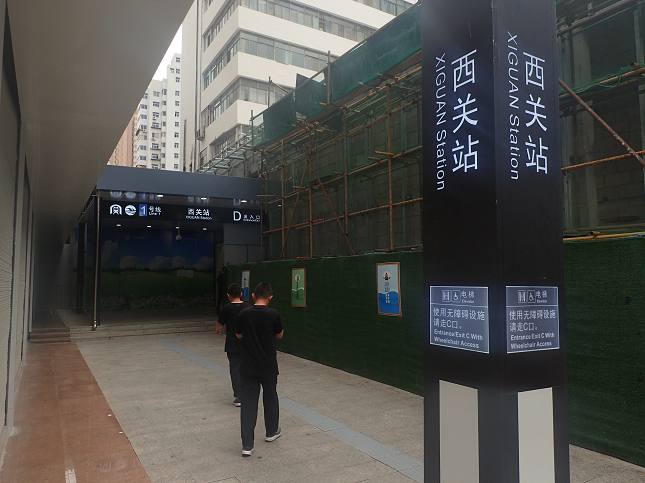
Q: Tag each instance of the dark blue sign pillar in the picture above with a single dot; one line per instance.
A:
(495, 368)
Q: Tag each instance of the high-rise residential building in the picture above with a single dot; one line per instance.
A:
(123, 154)
(243, 55)
(157, 138)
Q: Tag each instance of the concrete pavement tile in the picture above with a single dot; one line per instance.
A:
(170, 403)
(391, 478)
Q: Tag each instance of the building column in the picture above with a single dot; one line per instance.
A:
(584, 136)
(97, 263)
(495, 358)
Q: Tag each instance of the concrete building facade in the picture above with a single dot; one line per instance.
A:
(123, 154)
(157, 140)
(246, 54)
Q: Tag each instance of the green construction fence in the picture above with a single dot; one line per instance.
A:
(605, 322)
(340, 326)
(605, 317)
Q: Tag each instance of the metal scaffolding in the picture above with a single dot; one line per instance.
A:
(367, 139)
(231, 154)
(603, 114)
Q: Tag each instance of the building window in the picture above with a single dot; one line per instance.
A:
(144, 106)
(268, 49)
(176, 155)
(142, 158)
(176, 103)
(155, 115)
(163, 165)
(164, 113)
(178, 59)
(163, 155)
(176, 123)
(155, 156)
(154, 166)
(176, 134)
(143, 116)
(155, 146)
(177, 71)
(163, 123)
(143, 127)
(176, 113)
(176, 166)
(165, 92)
(163, 145)
(176, 145)
(176, 93)
(164, 103)
(172, 71)
(301, 14)
(145, 96)
(177, 79)
(155, 125)
(143, 147)
(155, 93)
(155, 103)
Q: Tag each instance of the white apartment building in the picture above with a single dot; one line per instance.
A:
(157, 142)
(245, 54)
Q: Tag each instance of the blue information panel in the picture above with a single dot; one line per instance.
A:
(532, 319)
(459, 318)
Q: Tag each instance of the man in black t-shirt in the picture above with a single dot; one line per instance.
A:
(257, 327)
(228, 316)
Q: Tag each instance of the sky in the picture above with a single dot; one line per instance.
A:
(175, 48)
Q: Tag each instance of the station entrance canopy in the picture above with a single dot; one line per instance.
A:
(129, 248)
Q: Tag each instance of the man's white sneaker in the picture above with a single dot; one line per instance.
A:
(275, 436)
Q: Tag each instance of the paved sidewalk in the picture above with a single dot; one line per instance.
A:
(173, 399)
(65, 430)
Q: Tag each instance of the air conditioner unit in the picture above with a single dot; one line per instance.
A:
(200, 134)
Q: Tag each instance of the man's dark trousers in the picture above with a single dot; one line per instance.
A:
(250, 396)
(234, 359)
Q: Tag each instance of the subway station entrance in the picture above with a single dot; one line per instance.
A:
(154, 246)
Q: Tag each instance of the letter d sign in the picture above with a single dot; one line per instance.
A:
(237, 216)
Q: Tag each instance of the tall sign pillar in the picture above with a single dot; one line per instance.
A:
(495, 368)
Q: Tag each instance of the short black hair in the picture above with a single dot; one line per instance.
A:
(263, 290)
(234, 290)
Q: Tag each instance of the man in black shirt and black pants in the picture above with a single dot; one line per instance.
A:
(257, 327)
(232, 347)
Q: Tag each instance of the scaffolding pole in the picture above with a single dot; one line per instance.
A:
(312, 142)
(606, 126)
(322, 187)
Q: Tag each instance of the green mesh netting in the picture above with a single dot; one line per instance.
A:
(280, 118)
(383, 51)
(601, 84)
(310, 96)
